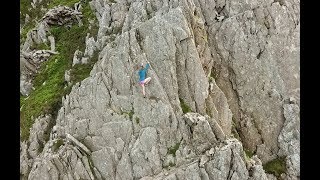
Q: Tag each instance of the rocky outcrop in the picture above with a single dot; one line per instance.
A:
(30, 58)
(31, 149)
(62, 15)
(66, 157)
(229, 62)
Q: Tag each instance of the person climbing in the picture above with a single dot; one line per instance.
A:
(142, 77)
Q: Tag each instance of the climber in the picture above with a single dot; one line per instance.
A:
(142, 77)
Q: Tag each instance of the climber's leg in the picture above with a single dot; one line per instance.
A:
(146, 81)
(143, 90)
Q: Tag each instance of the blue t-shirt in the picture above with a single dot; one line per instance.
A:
(143, 72)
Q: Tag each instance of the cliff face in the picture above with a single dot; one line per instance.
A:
(225, 84)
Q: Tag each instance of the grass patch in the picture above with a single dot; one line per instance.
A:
(68, 3)
(46, 98)
(172, 150)
(185, 108)
(25, 30)
(40, 46)
(276, 166)
(26, 8)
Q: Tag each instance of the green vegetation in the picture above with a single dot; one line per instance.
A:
(69, 3)
(49, 83)
(26, 8)
(185, 108)
(129, 114)
(137, 120)
(45, 99)
(57, 144)
(40, 46)
(248, 153)
(25, 30)
(172, 150)
(276, 166)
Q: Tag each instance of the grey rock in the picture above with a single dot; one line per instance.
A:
(37, 137)
(61, 15)
(104, 161)
(169, 161)
(256, 170)
(25, 85)
(76, 57)
(52, 43)
(79, 144)
(227, 61)
(24, 160)
(67, 75)
(271, 177)
(289, 139)
(90, 48)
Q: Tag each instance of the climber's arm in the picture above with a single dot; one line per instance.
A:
(147, 66)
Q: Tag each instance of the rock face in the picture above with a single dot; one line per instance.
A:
(229, 62)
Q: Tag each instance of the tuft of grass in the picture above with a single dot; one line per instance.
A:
(276, 166)
(248, 153)
(172, 150)
(213, 75)
(185, 108)
(130, 114)
(137, 120)
(57, 144)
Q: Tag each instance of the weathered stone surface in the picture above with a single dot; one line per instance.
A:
(289, 140)
(61, 15)
(39, 133)
(225, 60)
(24, 160)
(256, 169)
